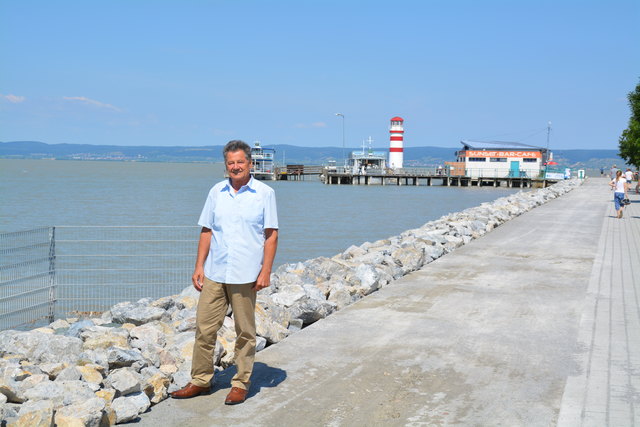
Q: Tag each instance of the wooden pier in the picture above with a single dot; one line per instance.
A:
(415, 177)
(336, 178)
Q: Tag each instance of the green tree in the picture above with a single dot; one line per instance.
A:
(629, 141)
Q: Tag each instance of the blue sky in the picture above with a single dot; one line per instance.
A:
(204, 72)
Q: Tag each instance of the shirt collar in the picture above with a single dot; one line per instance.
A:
(249, 185)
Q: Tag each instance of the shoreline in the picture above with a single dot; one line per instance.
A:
(300, 295)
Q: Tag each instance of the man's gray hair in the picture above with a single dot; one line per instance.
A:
(237, 145)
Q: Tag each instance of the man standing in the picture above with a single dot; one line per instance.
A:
(237, 246)
(612, 172)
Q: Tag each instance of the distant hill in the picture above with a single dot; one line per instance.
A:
(285, 154)
(40, 150)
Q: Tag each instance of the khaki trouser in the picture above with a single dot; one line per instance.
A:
(212, 308)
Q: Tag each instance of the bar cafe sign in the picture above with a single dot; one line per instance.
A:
(512, 154)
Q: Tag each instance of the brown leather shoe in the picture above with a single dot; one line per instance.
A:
(235, 396)
(190, 390)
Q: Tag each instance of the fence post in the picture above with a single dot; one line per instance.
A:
(52, 274)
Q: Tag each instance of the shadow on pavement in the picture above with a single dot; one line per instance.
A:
(263, 376)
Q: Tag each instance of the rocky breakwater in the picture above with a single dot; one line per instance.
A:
(108, 370)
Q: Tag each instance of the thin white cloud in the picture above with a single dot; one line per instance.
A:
(93, 102)
(14, 99)
(312, 125)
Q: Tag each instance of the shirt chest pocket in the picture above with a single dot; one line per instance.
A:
(251, 210)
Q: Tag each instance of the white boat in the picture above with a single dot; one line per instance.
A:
(367, 161)
(262, 162)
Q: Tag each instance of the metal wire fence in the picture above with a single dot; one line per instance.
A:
(27, 276)
(85, 270)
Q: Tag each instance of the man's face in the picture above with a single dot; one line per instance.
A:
(238, 166)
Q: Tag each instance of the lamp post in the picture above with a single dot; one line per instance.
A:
(344, 160)
(546, 164)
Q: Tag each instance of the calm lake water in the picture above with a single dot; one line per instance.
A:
(315, 219)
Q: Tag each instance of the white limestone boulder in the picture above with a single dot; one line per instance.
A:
(101, 337)
(70, 373)
(120, 358)
(40, 347)
(76, 328)
(136, 313)
(153, 332)
(124, 381)
(272, 331)
(127, 408)
(365, 279)
(155, 384)
(90, 413)
(35, 414)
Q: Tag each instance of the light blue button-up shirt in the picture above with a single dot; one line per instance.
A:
(237, 221)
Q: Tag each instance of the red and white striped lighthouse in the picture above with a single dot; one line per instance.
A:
(396, 154)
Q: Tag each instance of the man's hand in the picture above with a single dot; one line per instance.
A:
(198, 278)
(263, 281)
(203, 250)
(270, 245)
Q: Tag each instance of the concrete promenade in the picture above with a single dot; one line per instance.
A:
(606, 390)
(535, 324)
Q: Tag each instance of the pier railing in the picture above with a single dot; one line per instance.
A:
(59, 271)
(431, 172)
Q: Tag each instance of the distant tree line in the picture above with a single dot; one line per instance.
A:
(630, 138)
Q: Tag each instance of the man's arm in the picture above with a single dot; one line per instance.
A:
(203, 250)
(270, 247)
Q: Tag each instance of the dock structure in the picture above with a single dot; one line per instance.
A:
(413, 177)
(297, 172)
(417, 178)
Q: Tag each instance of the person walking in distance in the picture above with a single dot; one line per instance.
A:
(619, 186)
(628, 175)
(238, 243)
